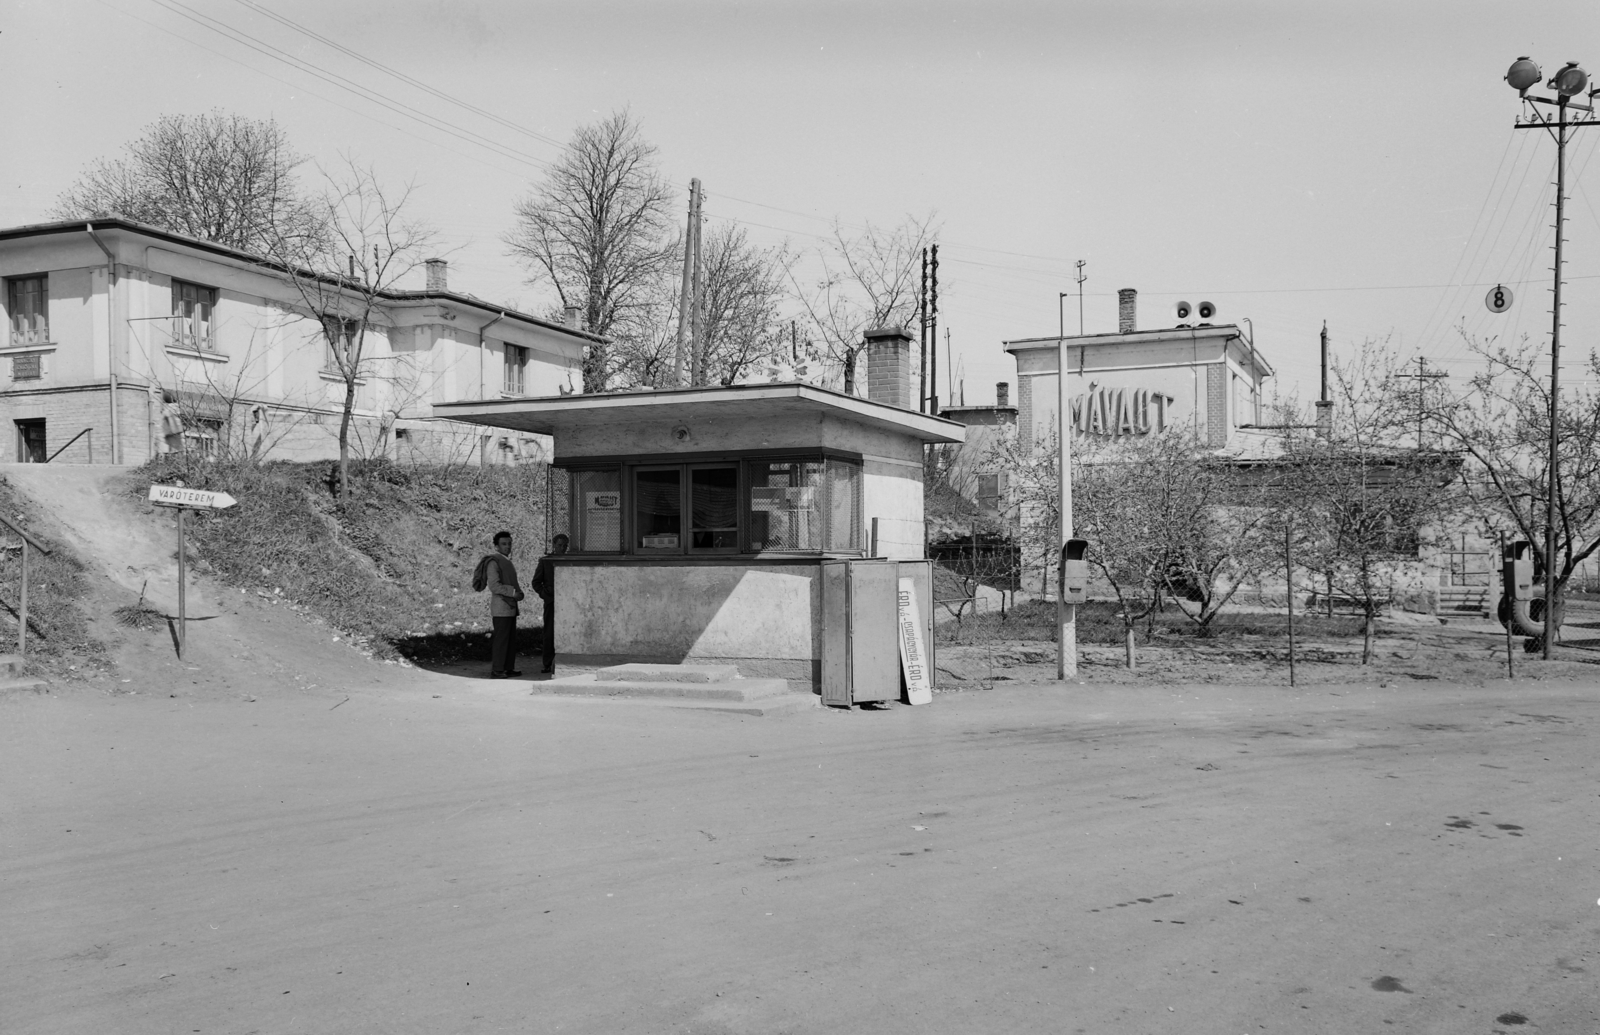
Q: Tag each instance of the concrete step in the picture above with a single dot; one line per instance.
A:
(783, 704)
(668, 673)
(22, 683)
(594, 684)
(10, 663)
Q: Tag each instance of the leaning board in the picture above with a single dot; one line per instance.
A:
(913, 652)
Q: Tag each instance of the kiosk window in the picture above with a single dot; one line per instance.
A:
(844, 506)
(597, 511)
(658, 509)
(714, 508)
(784, 506)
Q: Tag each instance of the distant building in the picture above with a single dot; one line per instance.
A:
(1203, 377)
(126, 341)
(970, 468)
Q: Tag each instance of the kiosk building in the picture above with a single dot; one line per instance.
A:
(756, 525)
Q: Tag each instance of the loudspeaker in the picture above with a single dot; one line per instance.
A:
(1205, 310)
(1183, 309)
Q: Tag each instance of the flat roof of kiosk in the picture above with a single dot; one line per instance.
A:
(555, 415)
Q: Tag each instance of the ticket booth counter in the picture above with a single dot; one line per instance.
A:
(701, 519)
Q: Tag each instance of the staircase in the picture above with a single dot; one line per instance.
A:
(1473, 600)
(707, 687)
(11, 678)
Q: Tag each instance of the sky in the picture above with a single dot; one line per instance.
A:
(1292, 162)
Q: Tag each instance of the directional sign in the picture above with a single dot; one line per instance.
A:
(1498, 299)
(193, 499)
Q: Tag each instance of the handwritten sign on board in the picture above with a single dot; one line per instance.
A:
(913, 650)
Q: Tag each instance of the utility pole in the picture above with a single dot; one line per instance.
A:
(933, 325)
(1422, 377)
(1066, 614)
(697, 303)
(683, 297)
(1082, 276)
(1569, 82)
(922, 329)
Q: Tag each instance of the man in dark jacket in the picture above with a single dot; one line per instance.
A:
(544, 584)
(504, 592)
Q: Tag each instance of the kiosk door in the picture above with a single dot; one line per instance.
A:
(860, 616)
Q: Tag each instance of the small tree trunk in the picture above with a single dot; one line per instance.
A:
(344, 437)
(1128, 644)
(1366, 637)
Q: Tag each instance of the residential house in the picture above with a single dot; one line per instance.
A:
(123, 341)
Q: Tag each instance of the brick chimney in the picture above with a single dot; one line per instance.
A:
(1324, 419)
(1002, 394)
(1126, 322)
(889, 366)
(575, 317)
(438, 280)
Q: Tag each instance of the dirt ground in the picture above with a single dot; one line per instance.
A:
(278, 835)
(451, 855)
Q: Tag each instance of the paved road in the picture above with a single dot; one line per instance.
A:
(1424, 858)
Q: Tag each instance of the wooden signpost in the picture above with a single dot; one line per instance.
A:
(182, 499)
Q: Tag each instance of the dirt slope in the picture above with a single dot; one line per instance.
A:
(238, 644)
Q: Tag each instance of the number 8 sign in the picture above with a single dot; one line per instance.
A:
(1498, 299)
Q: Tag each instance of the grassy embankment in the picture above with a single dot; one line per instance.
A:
(58, 626)
(392, 566)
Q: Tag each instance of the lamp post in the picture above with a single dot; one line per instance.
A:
(1066, 614)
(1568, 83)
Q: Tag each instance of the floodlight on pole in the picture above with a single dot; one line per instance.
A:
(1567, 83)
(1523, 75)
(1570, 81)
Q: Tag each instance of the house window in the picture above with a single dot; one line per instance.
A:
(202, 436)
(340, 339)
(193, 308)
(28, 304)
(25, 368)
(989, 491)
(516, 363)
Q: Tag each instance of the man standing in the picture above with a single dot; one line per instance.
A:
(544, 584)
(501, 582)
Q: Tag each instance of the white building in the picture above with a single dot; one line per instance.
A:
(1203, 377)
(112, 326)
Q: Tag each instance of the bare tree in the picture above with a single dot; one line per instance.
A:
(868, 280)
(741, 313)
(371, 244)
(1212, 517)
(217, 177)
(1358, 503)
(223, 410)
(1033, 495)
(1501, 426)
(598, 230)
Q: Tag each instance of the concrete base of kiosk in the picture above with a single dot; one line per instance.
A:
(719, 687)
